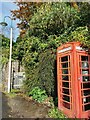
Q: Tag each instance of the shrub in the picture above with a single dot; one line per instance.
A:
(47, 72)
(43, 74)
(55, 113)
(38, 94)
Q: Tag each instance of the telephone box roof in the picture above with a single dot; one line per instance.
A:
(77, 46)
(68, 44)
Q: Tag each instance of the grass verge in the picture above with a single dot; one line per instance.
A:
(12, 93)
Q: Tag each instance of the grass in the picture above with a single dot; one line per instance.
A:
(13, 93)
(55, 113)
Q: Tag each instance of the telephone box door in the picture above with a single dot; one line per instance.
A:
(64, 83)
(84, 84)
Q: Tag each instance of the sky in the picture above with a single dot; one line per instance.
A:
(5, 8)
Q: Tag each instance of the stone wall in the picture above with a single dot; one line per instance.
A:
(15, 67)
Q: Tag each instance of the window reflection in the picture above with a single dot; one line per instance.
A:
(66, 91)
(67, 105)
(66, 98)
(65, 71)
(87, 107)
(66, 84)
(86, 99)
(86, 85)
(65, 77)
(64, 65)
(85, 72)
(84, 58)
(85, 65)
(85, 78)
(63, 59)
(86, 92)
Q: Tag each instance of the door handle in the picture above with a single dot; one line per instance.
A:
(78, 78)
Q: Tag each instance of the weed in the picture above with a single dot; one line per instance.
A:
(55, 113)
(38, 94)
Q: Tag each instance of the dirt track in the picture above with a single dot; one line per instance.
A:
(19, 107)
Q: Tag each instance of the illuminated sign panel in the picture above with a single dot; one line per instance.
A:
(64, 50)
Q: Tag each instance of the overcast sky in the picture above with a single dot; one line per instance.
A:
(5, 8)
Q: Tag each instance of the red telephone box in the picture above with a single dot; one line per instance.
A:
(73, 75)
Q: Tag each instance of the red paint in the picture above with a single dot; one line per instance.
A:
(73, 78)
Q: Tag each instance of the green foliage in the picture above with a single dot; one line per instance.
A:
(24, 12)
(5, 41)
(43, 74)
(38, 94)
(47, 71)
(5, 49)
(55, 113)
(51, 25)
(4, 60)
(84, 14)
(52, 18)
(81, 34)
(56, 101)
(15, 91)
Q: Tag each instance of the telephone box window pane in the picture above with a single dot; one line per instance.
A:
(64, 65)
(85, 72)
(66, 91)
(66, 105)
(66, 84)
(86, 92)
(86, 85)
(66, 98)
(65, 77)
(86, 99)
(85, 65)
(63, 59)
(84, 58)
(85, 78)
(65, 71)
(87, 107)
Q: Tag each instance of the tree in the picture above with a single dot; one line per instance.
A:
(5, 49)
(24, 13)
(51, 25)
(52, 19)
(84, 14)
(81, 34)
